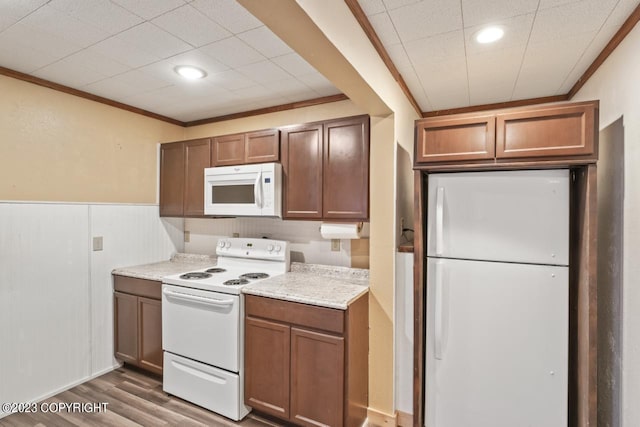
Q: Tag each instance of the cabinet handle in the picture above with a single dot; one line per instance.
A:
(439, 220)
(195, 298)
(257, 190)
(438, 314)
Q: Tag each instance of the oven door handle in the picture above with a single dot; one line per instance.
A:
(195, 298)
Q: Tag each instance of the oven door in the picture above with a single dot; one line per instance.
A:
(202, 325)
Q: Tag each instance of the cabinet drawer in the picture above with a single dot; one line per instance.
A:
(455, 139)
(135, 286)
(328, 319)
(555, 131)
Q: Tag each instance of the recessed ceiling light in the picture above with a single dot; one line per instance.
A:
(190, 72)
(489, 35)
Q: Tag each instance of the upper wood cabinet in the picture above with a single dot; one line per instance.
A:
(172, 179)
(243, 148)
(532, 134)
(326, 170)
(302, 169)
(182, 177)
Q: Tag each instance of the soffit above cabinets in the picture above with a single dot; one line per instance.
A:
(126, 50)
(546, 48)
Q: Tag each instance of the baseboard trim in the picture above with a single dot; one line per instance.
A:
(405, 419)
(381, 419)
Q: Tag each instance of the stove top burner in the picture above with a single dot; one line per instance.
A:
(236, 282)
(195, 275)
(216, 270)
(254, 276)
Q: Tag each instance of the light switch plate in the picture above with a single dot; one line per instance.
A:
(187, 236)
(335, 245)
(97, 243)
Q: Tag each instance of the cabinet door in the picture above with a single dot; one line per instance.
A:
(262, 146)
(172, 179)
(197, 157)
(125, 316)
(545, 132)
(317, 378)
(150, 334)
(266, 361)
(455, 139)
(302, 169)
(346, 169)
(228, 150)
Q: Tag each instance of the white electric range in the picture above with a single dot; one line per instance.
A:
(203, 328)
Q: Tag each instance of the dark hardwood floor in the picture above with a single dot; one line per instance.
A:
(133, 399)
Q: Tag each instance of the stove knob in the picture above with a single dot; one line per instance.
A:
(278, 248)
(221, 244)
(227, 244)
(270, 247)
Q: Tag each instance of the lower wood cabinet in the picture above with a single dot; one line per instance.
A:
(307, 365)
(138, 322)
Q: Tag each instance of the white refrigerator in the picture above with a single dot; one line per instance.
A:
(497, 299)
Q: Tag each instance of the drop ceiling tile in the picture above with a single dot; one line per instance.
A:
(384, 28)
(570, 19)
(427, 18)
(319, 84)
(415, 87)
(143, 82)
(191, 26)
(291, 89)
(265, 41)
(96, 62)
(399, 56)
(112, 88)
(40, 41)
(157, 42)
(69, 74)
(232, 52)
(230, 14)
(149, 9)
(445, 83)
(492, 75)
(549, 4)
(623, 9)
(264, 72)
(101, 14)
(231, 80)
(293, 64)
(371, 7)
(123, 52)
(517, 30)
(395, 4)
(57, 24)
(424, 52)
(482, 12)
(18, 54)
(14, 11)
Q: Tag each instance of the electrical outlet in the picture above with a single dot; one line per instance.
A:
(187, 236)
(335, 245)
(235, 235)
(97, 243)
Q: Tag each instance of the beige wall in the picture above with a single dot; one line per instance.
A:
(59, 147)
(617, 86)
(281, 118)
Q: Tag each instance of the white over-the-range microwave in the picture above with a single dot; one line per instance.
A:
(243, 190)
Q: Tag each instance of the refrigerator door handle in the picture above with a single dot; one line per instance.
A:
(439, 220)
(438, 314)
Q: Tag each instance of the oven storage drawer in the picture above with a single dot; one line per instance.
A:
(204, 385)
(202, 325)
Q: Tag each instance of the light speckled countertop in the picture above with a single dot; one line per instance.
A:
(321, 285)
(179, 263)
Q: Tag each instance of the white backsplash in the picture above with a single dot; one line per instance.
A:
(307, 245)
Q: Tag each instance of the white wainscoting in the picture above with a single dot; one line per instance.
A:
(56, 294)
(307, 245)
(404, 333)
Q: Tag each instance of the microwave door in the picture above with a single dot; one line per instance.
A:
(237, 197)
